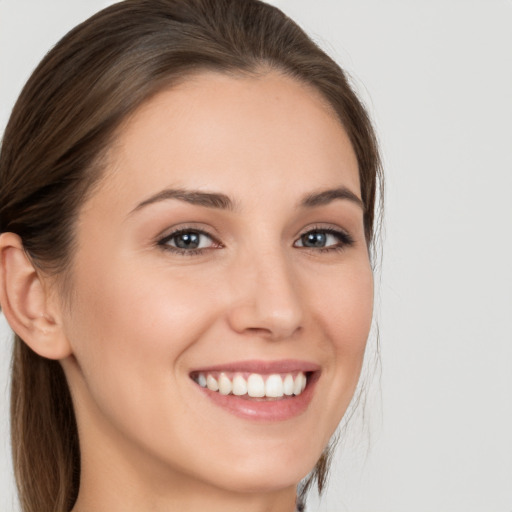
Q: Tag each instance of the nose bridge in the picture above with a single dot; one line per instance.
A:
(267, 298)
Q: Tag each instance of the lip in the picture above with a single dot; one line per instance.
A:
(263, 410)
(262, 367)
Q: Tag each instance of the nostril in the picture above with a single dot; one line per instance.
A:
(277, 332)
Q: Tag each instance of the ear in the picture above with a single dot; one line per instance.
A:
(26, 302)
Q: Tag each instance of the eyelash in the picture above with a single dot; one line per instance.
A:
(163, 242)
(345, 240)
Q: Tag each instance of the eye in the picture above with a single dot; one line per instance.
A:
(325, 239)
(190, 241)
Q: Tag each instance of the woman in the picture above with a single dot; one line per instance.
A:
(187, 210)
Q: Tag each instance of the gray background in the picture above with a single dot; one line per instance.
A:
(437, 78)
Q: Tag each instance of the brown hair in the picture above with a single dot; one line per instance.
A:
(51, 157)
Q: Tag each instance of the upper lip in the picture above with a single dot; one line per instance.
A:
(262, 367)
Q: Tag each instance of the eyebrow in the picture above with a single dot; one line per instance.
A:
(196, 197)
(223, 202)
(327, 196)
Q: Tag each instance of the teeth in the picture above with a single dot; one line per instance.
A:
(298, 385)
(288, 385)
(274, 386)
(256, 385)
(225, 385)
(211, 383)
(239, 386)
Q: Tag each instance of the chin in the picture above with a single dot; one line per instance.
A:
(270, 473)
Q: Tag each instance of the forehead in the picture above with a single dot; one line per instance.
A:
(244, 135)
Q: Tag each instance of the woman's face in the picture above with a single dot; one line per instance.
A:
(224, 245)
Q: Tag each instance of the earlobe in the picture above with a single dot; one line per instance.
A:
(25, 302)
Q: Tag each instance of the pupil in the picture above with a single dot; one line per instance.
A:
(187, 241)
(314, 239)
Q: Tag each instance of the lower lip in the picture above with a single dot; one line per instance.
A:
(265, 410)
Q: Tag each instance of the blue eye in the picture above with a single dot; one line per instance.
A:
(187, 240)
(327, 239)
(193, 241)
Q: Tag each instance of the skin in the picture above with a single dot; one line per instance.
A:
(140, 318)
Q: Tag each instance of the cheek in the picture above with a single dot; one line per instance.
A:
(344, 313)
(347, 309)
(129, 326)
(130, 329)
(131, 316)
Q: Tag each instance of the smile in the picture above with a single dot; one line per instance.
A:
(254, 385)
(259, 390)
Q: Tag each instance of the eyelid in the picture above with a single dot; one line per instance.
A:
(197, 227)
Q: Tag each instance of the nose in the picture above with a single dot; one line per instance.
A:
(266, 298)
